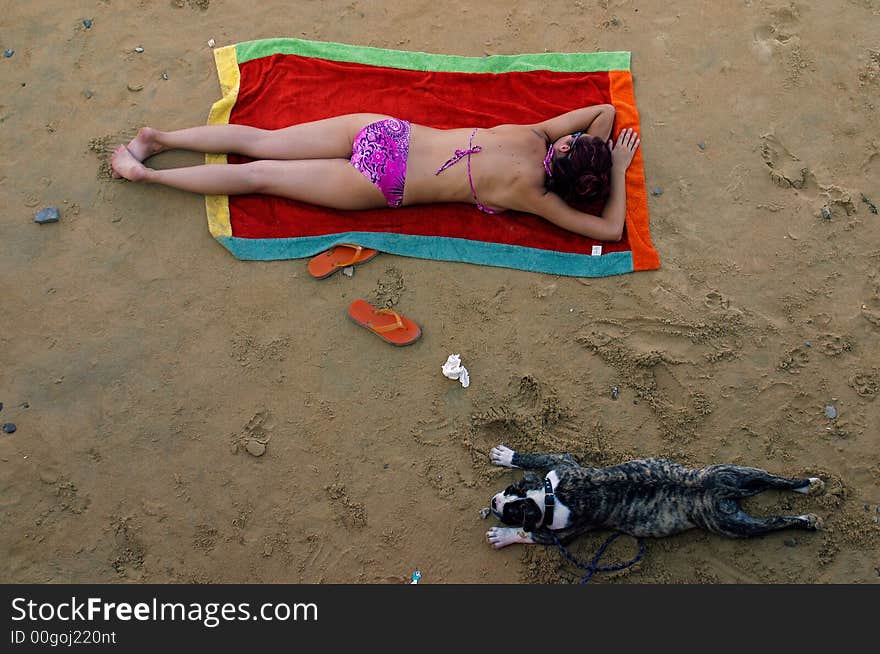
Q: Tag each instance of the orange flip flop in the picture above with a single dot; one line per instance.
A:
(385, 323)
(338, 257)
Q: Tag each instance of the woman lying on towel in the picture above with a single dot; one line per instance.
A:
(367, 161)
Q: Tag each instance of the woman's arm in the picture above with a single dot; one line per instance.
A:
(608, 226)
(595, 120)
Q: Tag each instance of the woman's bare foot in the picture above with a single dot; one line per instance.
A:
(144, 145)
(124, 164)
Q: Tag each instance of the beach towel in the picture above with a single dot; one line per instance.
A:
(274, 83)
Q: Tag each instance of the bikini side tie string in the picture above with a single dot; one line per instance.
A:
(458, 156)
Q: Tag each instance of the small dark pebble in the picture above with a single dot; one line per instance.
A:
(701, 145)
(790, 542)
(871, 206)
(384, 466)
(87, 23)
(830, 412)
(808, 344)
(8, 428)
(614, 392)
(164, 75)
(656, 191)
(48, 215)
(826, 213)
(1, 406)
(25, 405)
(9, 53)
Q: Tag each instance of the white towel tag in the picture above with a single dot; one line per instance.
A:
(597, 250)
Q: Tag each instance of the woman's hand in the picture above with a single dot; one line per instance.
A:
(623, 152)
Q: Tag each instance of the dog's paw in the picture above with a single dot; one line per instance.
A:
(816, 487)
(814, 522)
(499, 537)
(502, 455)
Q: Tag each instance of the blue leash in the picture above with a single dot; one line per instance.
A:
(592, 567)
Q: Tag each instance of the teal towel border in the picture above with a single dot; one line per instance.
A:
(437, 248)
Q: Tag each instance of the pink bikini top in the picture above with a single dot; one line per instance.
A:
(473, 149)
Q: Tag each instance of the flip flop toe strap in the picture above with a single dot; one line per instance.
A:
(354, 258)
(398, 323)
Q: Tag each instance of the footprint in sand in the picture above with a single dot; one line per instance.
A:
(786, 169)
(434, 431)
(530, 410)
(834, 201)
(349, 513)
(716, 302)
(833, 345)
(775, 33)
(779, 39)
(865, 384)
(795, 360)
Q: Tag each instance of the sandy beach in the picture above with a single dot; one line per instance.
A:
(144, 367)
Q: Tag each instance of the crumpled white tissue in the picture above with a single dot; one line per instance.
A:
(454, 370)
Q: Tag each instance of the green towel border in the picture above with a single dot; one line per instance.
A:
(579, 62)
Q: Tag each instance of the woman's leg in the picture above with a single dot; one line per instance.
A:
(330, 138)
(333, 183)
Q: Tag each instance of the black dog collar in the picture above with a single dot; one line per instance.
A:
(549, 502)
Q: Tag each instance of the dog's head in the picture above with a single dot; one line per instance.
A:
(515, 505)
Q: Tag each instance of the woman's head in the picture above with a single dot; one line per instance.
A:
(581, 168)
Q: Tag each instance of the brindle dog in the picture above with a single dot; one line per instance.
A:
(645, 497)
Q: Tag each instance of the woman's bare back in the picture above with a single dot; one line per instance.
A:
(510, 160)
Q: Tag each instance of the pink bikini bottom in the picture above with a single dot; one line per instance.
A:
(379, 152)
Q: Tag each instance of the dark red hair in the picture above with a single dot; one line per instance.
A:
(585, 174)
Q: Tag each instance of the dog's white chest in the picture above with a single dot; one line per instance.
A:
(561, 513)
